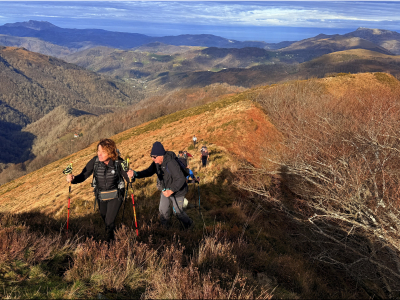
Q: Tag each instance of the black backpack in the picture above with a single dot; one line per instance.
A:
(183, 160)
(185, 170)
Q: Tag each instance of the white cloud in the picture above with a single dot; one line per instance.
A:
(263, 13)
(296, 14)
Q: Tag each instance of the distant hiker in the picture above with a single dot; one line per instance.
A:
(194, 141)
(183, 158)
(204, 155)
(171, 182)
(187, 155)
(108, 179)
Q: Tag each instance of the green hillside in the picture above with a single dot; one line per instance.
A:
(34, 84)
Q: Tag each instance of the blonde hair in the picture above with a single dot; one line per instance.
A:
(110, 147)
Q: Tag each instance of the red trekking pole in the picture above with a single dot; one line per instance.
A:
(134, 213)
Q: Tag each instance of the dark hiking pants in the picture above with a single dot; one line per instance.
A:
(204, 160)
(177, 206)
(109, 211)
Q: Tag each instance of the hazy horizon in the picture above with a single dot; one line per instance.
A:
(269, 21)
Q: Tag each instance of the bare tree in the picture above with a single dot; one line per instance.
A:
(340, 159)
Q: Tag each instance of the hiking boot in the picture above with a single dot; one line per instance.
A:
(190, 226)
(164, 223)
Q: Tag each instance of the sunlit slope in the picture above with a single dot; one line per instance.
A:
(232, 126)
(350, 61)
(235, 128)
(333, 43)
(353, 55)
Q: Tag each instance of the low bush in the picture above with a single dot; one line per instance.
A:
(338, 175)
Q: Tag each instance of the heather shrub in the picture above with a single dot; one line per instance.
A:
(19, 243)
(54, 265)
(201, 277)
(215, 253)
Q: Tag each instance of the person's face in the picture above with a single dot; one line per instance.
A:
(102, 154)
(157, 159)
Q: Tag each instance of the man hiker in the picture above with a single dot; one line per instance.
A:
(108, 178)
(194, 141)
(204, 155)
(172, 183)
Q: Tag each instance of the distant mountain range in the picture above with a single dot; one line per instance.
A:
(348, 61)
(80, 39)
(98, 71)
(324, 44)
(387, 39)
(49, 39)
(246, 67)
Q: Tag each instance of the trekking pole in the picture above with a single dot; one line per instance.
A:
(198, 191)
(123, 210)
(134, 212)
(68, 170)
(125, 166)
(69, 202)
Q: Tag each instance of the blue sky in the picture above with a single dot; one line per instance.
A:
(270, 21)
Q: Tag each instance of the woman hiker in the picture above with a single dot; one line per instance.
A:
(108, 178)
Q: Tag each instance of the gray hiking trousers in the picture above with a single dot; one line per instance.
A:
(177, 206)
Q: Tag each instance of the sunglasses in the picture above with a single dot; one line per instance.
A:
(154, 156)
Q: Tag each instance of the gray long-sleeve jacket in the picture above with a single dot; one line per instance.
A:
(169, 173)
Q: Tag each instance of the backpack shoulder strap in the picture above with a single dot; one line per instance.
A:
(166, 168)
(118, 168)
(95, 167)
(94, 185)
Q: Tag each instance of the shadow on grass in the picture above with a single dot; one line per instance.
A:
(274, 246)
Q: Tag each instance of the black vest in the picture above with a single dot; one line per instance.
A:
(107, 176)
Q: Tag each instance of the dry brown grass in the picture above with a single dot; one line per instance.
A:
(54, 132)
(46, 189)
(243, 244)
(156, 269)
